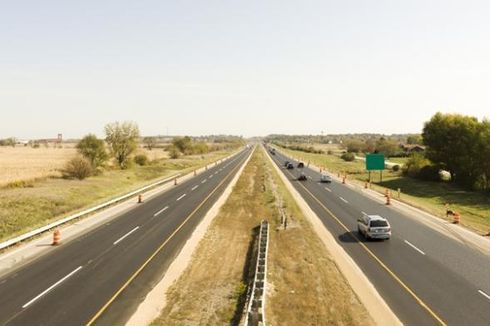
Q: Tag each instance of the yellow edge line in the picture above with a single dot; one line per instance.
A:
(412, 293)
(111, 300)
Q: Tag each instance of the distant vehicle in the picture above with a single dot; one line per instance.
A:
(374, 227)
(286, 163)
(273, 151)
(302, 177)
(325, 178)
(301, 165)
(290, 166)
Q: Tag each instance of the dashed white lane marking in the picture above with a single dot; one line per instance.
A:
(126, 235)
(342, 199)
(417, 249)
(216, 172)
(204, 181)
(328, 189)
(194, 188)
(210, 176)
(161, 211)
(181, 197)
(484, 294)
(51, 287)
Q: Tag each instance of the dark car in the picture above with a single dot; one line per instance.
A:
(290, 166)
(286, 163)
(301, 165)
(302, 177)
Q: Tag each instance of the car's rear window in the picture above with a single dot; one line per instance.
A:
(378, 223)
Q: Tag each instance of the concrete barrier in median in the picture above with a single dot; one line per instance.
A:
(255, 314)
(67, 219)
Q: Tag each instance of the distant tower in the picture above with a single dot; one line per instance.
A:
(60, 138)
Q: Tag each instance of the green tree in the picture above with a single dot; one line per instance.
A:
(93, 149)
(183, 144)
(78, 168)
(415, 139)
(387, 147)
(123, 141)
(453, 142)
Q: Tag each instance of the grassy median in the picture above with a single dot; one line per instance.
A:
(38, 202)
(305, 285)
(431, 197)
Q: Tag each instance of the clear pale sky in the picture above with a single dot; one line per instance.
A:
(240, 67)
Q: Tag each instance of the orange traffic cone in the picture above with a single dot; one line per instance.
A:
(456, 218)
(388, 199)
(56, 237)
(343, 179)
(175, 181)
(386, 193)
(365, 185)
(140, 199)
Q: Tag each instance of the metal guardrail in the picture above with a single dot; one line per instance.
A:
(50, 226)
(255, 314)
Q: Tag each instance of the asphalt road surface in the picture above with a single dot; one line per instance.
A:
(426, 277)
(102, 276)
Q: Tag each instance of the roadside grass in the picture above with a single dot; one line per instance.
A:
(38, 202)
(431, 197)
(305, 285)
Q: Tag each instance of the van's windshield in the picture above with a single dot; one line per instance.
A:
(378, 223)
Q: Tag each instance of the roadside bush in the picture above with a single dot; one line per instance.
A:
(414, 164)
(141, 159)
(349, 157)
(174, 152)
(396, 168)
(429, 173)
(78, 168)
(330, 152)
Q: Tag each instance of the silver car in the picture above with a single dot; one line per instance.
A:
(374, 227)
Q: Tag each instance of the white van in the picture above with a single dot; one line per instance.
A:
(374, 227)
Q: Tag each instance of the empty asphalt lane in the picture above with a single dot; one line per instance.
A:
(105, 266)
(450, 289)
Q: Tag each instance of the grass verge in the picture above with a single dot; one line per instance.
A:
(43, 201)
(431, 197)
(305, 286)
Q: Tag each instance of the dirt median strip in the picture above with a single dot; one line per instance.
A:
(306, 287)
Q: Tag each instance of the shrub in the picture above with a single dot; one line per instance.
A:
(174, 152)
(330, 152)
(349, 157)
(78, 168)
(429, 173)
(396, 168)
(414, 164)
(141, 159)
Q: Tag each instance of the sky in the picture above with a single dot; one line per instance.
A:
(247, 68)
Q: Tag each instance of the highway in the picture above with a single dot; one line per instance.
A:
(426, 277)
(101, 277)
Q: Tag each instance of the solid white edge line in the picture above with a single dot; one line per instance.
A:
(411, 245)
(484, 294)
(194, 188)
(126, 235)
(328, 189)
(181, 197)
(161, 211)
(51, 287)
(342, 199)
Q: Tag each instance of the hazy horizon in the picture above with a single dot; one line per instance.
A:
(244, 68)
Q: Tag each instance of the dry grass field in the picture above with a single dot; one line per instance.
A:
(27, 163)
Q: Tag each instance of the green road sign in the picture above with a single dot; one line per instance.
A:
(375, 162)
